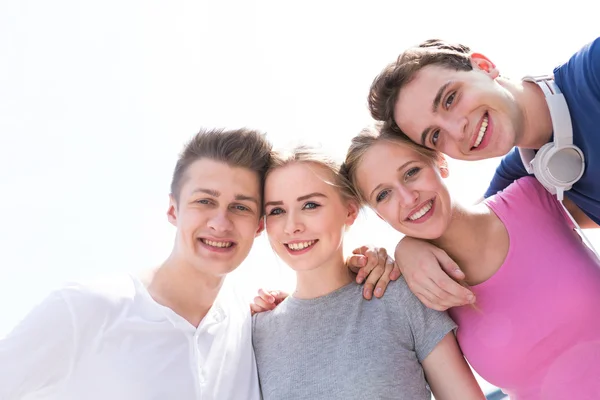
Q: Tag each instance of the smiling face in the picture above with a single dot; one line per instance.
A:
(217, 216)
(405, 189)
(468, 115)
(306, 215)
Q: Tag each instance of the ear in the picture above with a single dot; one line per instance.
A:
(172, 211)
(482, 63)
(353, 209)
(443, 166)
(261, 227)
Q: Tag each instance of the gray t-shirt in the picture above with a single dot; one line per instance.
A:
(341, 346)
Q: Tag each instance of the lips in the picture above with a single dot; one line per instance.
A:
(420, 211)
(300, 246)
(481, 137)
(217, 245)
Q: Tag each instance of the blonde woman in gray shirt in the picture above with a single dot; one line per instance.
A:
(319, 343)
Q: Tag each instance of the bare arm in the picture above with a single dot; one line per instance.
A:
(582, 219)
(448, 374)
(429, 273)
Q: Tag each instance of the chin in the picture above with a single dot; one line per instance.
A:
(303, 266)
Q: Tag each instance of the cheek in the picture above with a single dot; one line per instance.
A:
(191, 220)
(246, 226)
(274, 226)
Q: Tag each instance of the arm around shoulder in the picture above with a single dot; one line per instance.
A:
(448, 374)
(579, 216)
(38, 352)
(431, 274)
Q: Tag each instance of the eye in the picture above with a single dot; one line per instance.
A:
(203, 201)
(382, 196)
(450, 100)
(412, 172)
(311, 205)
(241, 207)
(276, 211)
(434, 137)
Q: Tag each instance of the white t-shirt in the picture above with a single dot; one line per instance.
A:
(111, 340)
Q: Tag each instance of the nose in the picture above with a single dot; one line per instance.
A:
(293, 224)
(456, 128)
(220, 222)
(408, 198)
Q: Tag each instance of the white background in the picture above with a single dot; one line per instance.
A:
(98, 97)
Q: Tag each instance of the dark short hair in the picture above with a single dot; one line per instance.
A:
(243, 148)
(387, 85)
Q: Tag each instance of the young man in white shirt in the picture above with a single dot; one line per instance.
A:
(180, 334)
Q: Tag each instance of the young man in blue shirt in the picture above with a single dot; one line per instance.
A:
(448, 98)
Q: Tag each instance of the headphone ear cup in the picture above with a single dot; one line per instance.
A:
(540, 166)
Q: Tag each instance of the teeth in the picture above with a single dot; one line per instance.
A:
(300, 245)
(217, 244)
(422, 211)
(482, 130)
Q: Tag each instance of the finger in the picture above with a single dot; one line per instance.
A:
(449, 266)
(383, 282)
(260, 302)
(445, 290)
(396, 273)
(266, 296)
(368, 291)
(373, 278)
(356, 262)
(372, 261)
(425, 299)
(254, 309)
(279, 296)
(456, 291)
(429, 298)
(361, 250)
(382, 253)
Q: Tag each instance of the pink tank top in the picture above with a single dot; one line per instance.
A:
(535, 332)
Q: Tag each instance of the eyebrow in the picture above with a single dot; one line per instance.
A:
(215, 193)
(301, 198)
(381, 184)
(434, 107)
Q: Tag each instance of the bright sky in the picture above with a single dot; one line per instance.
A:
(97, 99)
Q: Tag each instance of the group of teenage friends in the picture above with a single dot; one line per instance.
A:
(507, 284)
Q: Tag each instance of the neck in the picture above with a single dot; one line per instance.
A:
(184, 289)
(536, 129)
(465, 236)
(324, 279)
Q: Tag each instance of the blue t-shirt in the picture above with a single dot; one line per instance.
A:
(579, 80)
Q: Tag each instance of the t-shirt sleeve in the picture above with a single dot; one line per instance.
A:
(428, 326)
(589, 60)
(510, 169)
(37, 354)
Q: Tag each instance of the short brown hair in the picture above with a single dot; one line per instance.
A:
(387, 85)
(312, 155)
(243, 148)
(367, 138)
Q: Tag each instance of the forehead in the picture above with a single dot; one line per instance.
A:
(381, 160)
(297, 179)
(414, 103)
(220, 176)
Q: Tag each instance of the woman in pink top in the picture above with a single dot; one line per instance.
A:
(534, 330)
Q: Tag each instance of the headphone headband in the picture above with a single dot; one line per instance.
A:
(559, 110)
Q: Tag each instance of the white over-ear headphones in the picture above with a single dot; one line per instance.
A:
(558, 164)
